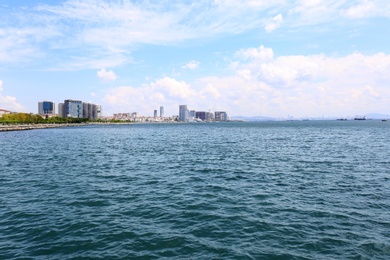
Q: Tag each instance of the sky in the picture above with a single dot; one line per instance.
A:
(280, 58)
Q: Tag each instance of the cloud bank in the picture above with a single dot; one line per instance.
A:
(8, 102)
(262, 83)
(107, 75)
(87, 30)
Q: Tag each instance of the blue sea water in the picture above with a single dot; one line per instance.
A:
(267, 190)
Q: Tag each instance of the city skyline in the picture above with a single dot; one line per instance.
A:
(78, 109)
(258, 58)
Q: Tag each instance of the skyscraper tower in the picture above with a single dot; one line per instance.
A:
(46, 108)
(73, 108)
(161, 111)
(61, 110)
(183, 113)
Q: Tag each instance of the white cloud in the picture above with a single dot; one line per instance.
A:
(275, 23)
(107, 75)
(367, 8)
(123, 24)
(88, 30)
(263, 83)
(22, 44)
(173, 88)
(191, 65)
(312, 12)
(166, 91)
(314, 85)
(8, 102)
(261, 53)
(364, 91)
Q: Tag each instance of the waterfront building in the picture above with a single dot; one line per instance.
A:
(209, 116)
(134, 115)
(91, 111)
(155, 114)
(85, 110)
(126, 116)
(61, 110)
(183, 113)
(192, 113)
(99, 111)
(200, 115)
(161, 111)
(121, 116)
(73, 108)
(220, 116)
(46, 108)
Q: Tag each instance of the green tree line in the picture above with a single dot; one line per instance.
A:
(24, 118)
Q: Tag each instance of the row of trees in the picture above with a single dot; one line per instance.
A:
(23, 118)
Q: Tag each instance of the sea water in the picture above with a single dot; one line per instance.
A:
(266, 190)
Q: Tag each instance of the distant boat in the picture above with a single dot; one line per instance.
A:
(360, 118)
(384, 120)
(342, 119)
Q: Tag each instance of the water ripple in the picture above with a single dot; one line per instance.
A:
(280, 190)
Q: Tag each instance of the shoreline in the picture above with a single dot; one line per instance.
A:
(24, 127)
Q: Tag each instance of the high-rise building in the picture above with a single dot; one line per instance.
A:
(61, 110)
(155, 113)
(134, 115)
(200, 115)
(73, 108)
(183, 113)
(85, 110)
(220, 116)
(46, 108)
(192, 114)
(209, 116)
(99, 111)
(91, 111)
(161, 111)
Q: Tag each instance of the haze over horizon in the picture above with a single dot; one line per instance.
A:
(303, 58)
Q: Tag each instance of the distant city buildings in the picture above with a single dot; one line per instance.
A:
(186, 115)
(134, 117)
(201, 115)
(46, 108)
(204, 116)
(77, 109)
(72, 109)
(126, 116)
(220, 116)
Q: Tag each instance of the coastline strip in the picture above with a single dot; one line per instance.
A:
(6, 128)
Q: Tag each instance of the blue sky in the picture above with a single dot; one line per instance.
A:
(301, 58)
